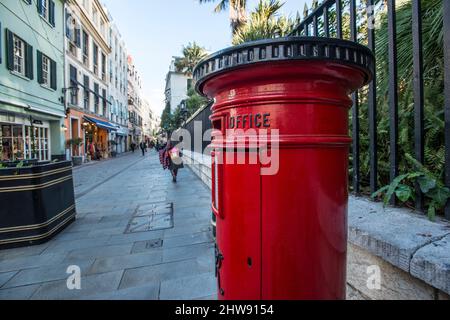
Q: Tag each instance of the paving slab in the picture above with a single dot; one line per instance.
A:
(20, 293)
(164, 271)
(45, 274)
(90, 285)
(189, 288)
(147, 292)
(126, 262)
(6, 276)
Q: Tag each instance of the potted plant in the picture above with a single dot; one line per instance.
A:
(75, 145)
(30, 219)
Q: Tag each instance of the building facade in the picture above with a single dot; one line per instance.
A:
(177, 84)
(86, 72)
(135, 110)
(149, 121)
(31, 86)
(118, 89)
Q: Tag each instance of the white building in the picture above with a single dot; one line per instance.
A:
(150, 120)
(118, 88)
(86, 69)
(177, 84)
(135, 111)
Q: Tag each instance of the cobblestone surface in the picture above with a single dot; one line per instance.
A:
(115, 264)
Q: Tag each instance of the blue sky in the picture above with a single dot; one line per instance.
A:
(156, 30)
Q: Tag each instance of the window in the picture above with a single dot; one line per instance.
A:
(19, 142)
(95, 59)
(94, 15)
(103, 67)
(85, 48)
(19, 55)
(86, 92)
(73, 84)
(44, 9)
(97, 98)
(37, 143)
(105, 105)
(45, 71)
(102, 28)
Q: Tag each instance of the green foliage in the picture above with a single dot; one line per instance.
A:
(430, 176)
(435, 192)
(2, 166)
(20, 165)
(166, 119)
(192, 54)
(264, 23)
(75, 142)
(173, 121)
(194, 102)
(238, 11)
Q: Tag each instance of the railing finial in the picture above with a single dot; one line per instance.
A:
(305, 11)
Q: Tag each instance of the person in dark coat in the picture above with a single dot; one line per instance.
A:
(143, 147)
(171, 158)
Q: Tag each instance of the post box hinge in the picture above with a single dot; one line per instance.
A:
(219, 260)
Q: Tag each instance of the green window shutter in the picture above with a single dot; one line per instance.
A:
(53, 75)
(40, 9)
(9, 49)
(29, 61)
(1, 51)
(39, 67)
(51, 12)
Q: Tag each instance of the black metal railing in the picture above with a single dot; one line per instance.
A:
(201, 119)
(345, 19)
(326, 19)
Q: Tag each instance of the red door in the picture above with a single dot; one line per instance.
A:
(238, 229)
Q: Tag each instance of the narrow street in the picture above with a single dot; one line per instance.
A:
(127, 240)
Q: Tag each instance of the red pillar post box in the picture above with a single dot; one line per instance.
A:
(282, 233)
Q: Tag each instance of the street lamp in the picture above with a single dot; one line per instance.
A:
(73, 91)
(184, 112)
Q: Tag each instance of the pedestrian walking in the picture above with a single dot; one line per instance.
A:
(171, 158)
(143, 148)
(133, 147)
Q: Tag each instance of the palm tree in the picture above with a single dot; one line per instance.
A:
(192, 54)
(264, 23)
(238, 11)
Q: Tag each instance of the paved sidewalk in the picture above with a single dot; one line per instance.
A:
(119, 260)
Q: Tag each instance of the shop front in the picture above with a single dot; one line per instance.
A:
(97, 132)
(120, 139)
(28, 136)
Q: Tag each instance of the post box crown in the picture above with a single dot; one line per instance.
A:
(284, 49)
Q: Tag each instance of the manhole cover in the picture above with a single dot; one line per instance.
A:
(151, 217)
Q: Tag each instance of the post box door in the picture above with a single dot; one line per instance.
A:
(239, 230)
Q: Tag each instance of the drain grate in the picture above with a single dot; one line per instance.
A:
(151, 217)
(147, 246)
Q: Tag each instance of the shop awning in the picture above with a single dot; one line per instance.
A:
(101, 124)
(122, 131)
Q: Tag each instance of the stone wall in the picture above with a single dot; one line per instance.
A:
(393, 253)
